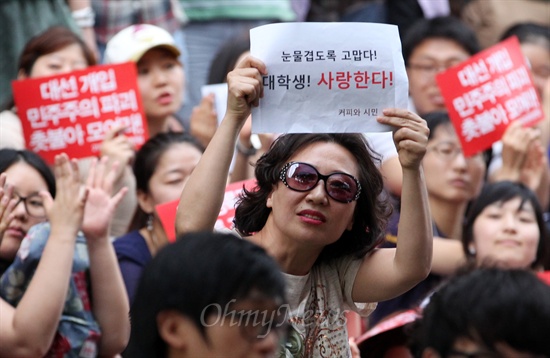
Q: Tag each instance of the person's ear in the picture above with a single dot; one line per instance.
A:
(269, 202)
(430, 353)
(172, 328)
(145, 202)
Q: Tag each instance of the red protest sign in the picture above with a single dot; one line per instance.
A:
(167, 215)
(72, 112)
(167, 211)
(486, 93)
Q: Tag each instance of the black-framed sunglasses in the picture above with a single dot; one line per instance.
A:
(341, 187)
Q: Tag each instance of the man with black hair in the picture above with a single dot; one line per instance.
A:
(488, 312)
(209, 295)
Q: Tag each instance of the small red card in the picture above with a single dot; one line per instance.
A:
(167, 211)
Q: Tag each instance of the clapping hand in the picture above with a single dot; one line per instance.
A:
(7, 204)
(100, 205)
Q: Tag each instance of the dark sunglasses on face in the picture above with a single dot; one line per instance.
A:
(341, 187)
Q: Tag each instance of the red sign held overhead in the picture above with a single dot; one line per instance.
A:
(72, 112)
(486, 93)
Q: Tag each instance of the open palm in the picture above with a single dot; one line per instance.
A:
(100, 205)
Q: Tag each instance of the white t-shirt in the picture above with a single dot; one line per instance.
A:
(317, 303)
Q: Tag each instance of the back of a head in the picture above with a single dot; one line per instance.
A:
(447, 27)
(226, 58)
(490, 307)
(436, 119)
(194, 275)
(528, 32)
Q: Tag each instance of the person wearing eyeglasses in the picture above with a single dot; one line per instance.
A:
(320, 211)
(452, 180)
(430, 46)
(209, 295)
(63, 294)
(28, 174)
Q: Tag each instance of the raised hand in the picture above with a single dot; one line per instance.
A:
(117, 146)
(245, 87)
(100, 205)
(67, 209)
(204, 120)
(534, 167)
(410, 136)
(515, 147)
(7, 204)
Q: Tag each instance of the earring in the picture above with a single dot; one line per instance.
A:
(150, 222)
(472, 250)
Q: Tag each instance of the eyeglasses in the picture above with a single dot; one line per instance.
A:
(448, 151)
(34, 205)
(341, 187)
(432, 68)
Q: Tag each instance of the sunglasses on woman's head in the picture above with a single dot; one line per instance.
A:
(341, 187)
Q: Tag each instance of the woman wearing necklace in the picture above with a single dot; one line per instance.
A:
(161, 168)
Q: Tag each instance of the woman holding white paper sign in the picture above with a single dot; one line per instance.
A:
(319, 210)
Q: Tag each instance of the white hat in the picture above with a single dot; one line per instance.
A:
(131, 43)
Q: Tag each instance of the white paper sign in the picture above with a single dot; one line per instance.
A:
(220, 97)
(328, 77)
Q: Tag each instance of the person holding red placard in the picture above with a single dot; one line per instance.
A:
(523, 153)
(57, 51)
(430, 46)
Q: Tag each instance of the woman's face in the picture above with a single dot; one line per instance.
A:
(507, 233)
(26, 181)
(161, 81)
(68, 59)
(539, 59)
(449, 175)
(174, 168)
(430, 57)
(312, 218)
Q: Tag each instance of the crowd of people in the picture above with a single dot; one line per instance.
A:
(391, 244)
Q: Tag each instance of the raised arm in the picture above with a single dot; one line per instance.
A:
(109, 299)
(29, 329)
(202, 197)
(387, 273)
